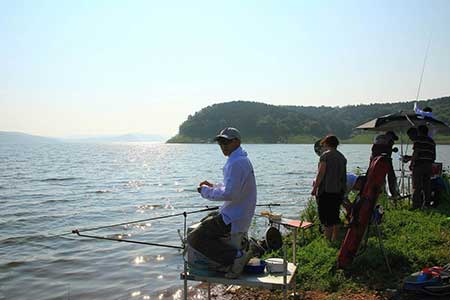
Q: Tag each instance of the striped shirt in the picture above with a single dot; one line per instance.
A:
(424, 150)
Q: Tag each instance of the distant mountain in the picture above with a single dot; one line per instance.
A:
(131, 137)
(264, 123)
(8, 137)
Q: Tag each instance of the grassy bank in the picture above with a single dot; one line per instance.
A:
(412, 240)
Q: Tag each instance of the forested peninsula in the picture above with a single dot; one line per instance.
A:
(264, 123)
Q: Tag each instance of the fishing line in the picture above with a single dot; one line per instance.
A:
(423, 68)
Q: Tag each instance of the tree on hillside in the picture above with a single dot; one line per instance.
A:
(274, 124)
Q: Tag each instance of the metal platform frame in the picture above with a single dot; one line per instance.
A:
(273, 281)
(270, 281)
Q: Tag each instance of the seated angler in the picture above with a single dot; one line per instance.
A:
(223, 237)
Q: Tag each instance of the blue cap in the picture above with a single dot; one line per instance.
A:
(228, 133)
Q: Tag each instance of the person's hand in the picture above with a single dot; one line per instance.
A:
(406, 158)
(205, 182)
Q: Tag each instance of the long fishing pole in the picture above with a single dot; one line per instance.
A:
(145, 220)
(124, 240)
(423, 68)
(207, 206)
(402, 183)
(78, 232)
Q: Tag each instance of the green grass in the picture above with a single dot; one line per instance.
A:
(442, 139)
(411, 239)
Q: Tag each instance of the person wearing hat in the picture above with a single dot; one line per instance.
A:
(223, 237)
(422, 159)
(382, 146)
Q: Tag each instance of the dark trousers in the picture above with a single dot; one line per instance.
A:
(208, 239)
(392, 180)
(421, 178)
(328, 205)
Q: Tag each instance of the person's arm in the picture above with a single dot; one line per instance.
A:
(320, 174)
(434, 150)
(230, 189)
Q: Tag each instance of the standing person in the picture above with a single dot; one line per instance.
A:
(424, 155)
(383, 145)
(223, 237)
(330, 185)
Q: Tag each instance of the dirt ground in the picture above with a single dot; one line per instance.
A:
(222, 292)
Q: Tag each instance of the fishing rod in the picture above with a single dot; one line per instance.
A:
(125, 241)
(402, 169)
(145, 220)
(207, 206)
(78, 231)
(423, 68)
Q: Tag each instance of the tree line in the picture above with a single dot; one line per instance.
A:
(265, 123)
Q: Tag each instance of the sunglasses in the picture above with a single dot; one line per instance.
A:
(224, 142)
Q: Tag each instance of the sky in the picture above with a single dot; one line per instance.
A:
(80, 68)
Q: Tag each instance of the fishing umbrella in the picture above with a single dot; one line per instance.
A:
(401, 121)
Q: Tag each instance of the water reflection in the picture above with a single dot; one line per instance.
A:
(140, 260)
(135, 294)
(105, 188)
(178, 294)
(120, 236)
(159, 257)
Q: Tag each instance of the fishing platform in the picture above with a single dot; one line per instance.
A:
(283, 280)
(271, 281)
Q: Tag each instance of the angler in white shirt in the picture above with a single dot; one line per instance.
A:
(223, 237)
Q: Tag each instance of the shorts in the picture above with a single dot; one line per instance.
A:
(329, 206)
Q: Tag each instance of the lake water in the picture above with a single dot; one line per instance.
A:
(51, 189)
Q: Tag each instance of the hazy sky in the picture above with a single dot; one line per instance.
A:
(112, 67)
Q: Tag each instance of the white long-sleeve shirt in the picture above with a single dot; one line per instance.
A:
(238, 191)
